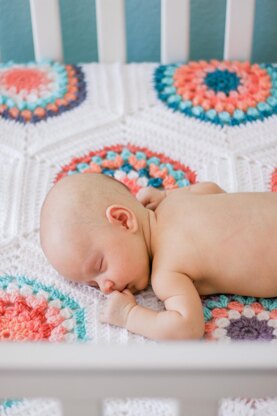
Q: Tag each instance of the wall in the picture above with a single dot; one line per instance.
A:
(143, 30)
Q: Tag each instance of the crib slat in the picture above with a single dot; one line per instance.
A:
(175, 21)
(239, 29)
(196, 373)
(111, 37)
(46, 28)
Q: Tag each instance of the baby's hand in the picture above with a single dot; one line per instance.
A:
(150, 197)
(117, 308)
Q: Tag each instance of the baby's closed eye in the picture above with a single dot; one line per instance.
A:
(93, 284)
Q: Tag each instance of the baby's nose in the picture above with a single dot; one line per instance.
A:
(107, 287)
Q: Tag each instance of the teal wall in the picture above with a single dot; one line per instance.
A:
(143, 30)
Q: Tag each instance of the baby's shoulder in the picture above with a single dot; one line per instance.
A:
(166, 208)
(171, 212)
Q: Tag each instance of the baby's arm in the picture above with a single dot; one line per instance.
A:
(182, 319)
(152, 197)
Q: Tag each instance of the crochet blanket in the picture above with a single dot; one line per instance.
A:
(165, 126)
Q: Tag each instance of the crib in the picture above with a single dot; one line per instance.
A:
(196, 374)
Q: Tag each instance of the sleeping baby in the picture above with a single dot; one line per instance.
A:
(197, 240)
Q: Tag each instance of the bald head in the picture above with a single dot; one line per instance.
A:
(76, 201)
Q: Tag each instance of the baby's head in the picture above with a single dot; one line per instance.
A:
(94, 231)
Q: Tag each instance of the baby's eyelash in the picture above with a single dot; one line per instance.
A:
(94, 284)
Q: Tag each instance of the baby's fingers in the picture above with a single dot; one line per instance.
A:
(129, 294)
(143, 196)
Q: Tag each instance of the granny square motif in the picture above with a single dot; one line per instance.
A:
(134, 166)
(33, 92)
(223, 93)
(33, 311)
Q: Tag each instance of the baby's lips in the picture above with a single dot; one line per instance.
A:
(131, 290)
(122, 289)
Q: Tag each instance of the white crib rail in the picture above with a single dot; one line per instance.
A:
(111, 30)
(198, 374)
(239, 29)
(46, 26)
(175, 24)
(111, 38)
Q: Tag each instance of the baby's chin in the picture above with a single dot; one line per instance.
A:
(144, 285)
(133, 290)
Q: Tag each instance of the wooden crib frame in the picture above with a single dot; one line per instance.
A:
(197, 374)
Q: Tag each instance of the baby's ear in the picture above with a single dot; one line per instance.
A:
(121, 215)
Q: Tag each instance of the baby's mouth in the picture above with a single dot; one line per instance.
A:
(123, 288)
(132, 289)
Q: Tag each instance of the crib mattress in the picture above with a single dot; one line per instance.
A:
(146, 125)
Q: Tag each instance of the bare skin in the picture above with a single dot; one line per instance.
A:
(199, 240)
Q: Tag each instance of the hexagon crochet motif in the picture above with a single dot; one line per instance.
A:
(36, 91)
(223, 93)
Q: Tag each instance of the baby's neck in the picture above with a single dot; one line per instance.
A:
(149, 226)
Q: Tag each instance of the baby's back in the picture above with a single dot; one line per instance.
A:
(226, 243)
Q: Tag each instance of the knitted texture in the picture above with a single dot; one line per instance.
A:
(134, 166)
(137, 407)
(234, 317)
(33, 311)
(35, 92)
(122, 128)
(228, 93)
(248, 407)
(34, 407)
(111, 407)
